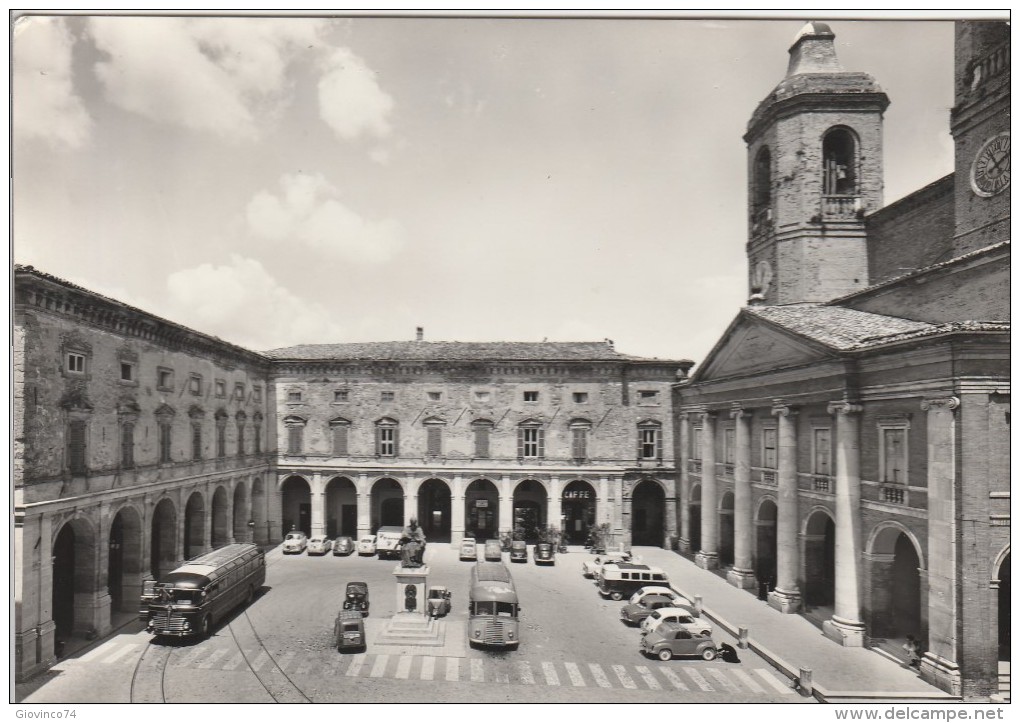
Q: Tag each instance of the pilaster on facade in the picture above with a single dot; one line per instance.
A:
(708, 555)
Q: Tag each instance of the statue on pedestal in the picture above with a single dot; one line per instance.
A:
(412, 545)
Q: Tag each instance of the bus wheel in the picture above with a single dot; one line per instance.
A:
(206, 626)
(616, 595)
(665, 654)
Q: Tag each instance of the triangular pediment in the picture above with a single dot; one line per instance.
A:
(751, 345)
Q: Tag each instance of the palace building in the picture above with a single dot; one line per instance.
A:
(139, 443)
(846, 441)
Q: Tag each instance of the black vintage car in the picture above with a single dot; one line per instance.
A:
(349, 631)
(545, 554)
(357, 597)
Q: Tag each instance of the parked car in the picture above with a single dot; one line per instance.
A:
(349, 631)
(659, 590)
(635, 613)
(366, 545)
(469, 549)
(591, 568)
(493, 551)
(356, 597)
(295, 543)
(319, 545)
(343, 546)
(439, 601)
(684, 616)
(518, 551)
(544, 554)
(387, 542)
(670, 640)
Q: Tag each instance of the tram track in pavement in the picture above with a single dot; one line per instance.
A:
(277, 683)
(148, 681)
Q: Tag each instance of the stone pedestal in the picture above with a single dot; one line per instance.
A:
(784, 601)
(848, 633)
(744, 579)
(412, 589)
(941, 673)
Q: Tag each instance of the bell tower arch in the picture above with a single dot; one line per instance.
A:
(814, 150)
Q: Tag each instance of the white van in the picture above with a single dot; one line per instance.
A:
(622, 579)
(387, 542)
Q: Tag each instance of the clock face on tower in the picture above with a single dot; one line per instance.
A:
(989, 173)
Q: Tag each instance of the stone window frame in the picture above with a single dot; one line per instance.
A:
(77, 462)
(164, 379)
(433, 396)
(295, 396)
(482, 395)
(830, 178)
(295, 427)
(899, 423)
(579, 397)
(652, 428)
(220, 387)
(239, 391)
(240, 421)
(387, 396)
(530, 396)
(195, 384)
(127, 359)
(340, 430)
(766, 430)
(530, 438)
(580, 436)
(164, 434)
(434, 436)
(816, 428)
(729, 445)
(127, 443)
(256, 394)
(221, 433)
(256, 423)
(648, 398)
(341, 396)
(482, 429)
(387, 437)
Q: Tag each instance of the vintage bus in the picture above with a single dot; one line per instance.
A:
(492, 606)
(621, 579)
(199, 593)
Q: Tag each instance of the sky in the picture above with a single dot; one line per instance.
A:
(280, 181)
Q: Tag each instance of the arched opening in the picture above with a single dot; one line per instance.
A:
(341, 508)
(434, 510)
(820, 560)
(124, 565)
(765, 543)
(893, 607)
(1004, 601)
(761, 199)
(73, 576)
(481, 510)
(194, 526)
(726, 530)
(531, 509)
(694, 517)
(242, 513)
(648, 500)
(297, 505)
(387, 504)
(162, 544)
(578, 506)
(259, 511)
(220, 518)
(839, 155)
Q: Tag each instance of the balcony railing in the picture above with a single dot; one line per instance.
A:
(694, 465)
(984, 69)
(727, 469)
(768, 476)
(840, 208)
(893, 494)
(761, 222)
(821, 483)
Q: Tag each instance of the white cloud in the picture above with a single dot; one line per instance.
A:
(45, 104)
(308, 210)
(350, 99)
(201, 73)
(242, 303)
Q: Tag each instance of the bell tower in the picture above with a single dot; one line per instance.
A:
(814, 153)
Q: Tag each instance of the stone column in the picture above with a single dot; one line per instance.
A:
(742, 574)
(846, 627)
(364, 506)
(274, 511)
(231, 534)
(506, 505)
(411, 499)
(555, 504)
(708, 556)
(457, 512)
(940, 663)
(318, 523)
(683, 465)
(602, 508)
(786, 597)
(626, 512)
(617, 521)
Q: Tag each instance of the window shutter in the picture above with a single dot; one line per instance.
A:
(378, 441)
(127, 446)
(340, 440)
(294, 440)
(258, 439)
(520, 442)
(640, 439)
(434, 440)
(396, 441)
(658, 444)
(541, 443)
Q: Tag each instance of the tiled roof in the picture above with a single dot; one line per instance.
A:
(455, 351)
(845, 329)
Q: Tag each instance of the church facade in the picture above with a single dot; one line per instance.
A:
(846, 442)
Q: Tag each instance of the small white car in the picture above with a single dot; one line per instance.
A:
(295, 543)
(319, 545)
(683, 616)
(366, 545)
(592, 568)
(658, 590)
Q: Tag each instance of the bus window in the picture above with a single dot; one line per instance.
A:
(485, 608)
(507, 610)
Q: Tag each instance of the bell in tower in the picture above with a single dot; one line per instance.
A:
(814, 171)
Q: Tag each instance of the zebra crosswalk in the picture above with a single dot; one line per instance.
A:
(688, 677)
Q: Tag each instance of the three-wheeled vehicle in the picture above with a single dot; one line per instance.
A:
(357, 597)
(349, 630)
(544, 554)
(439, 601)
(518, 551)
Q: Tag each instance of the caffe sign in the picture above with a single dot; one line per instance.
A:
(577, 495)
